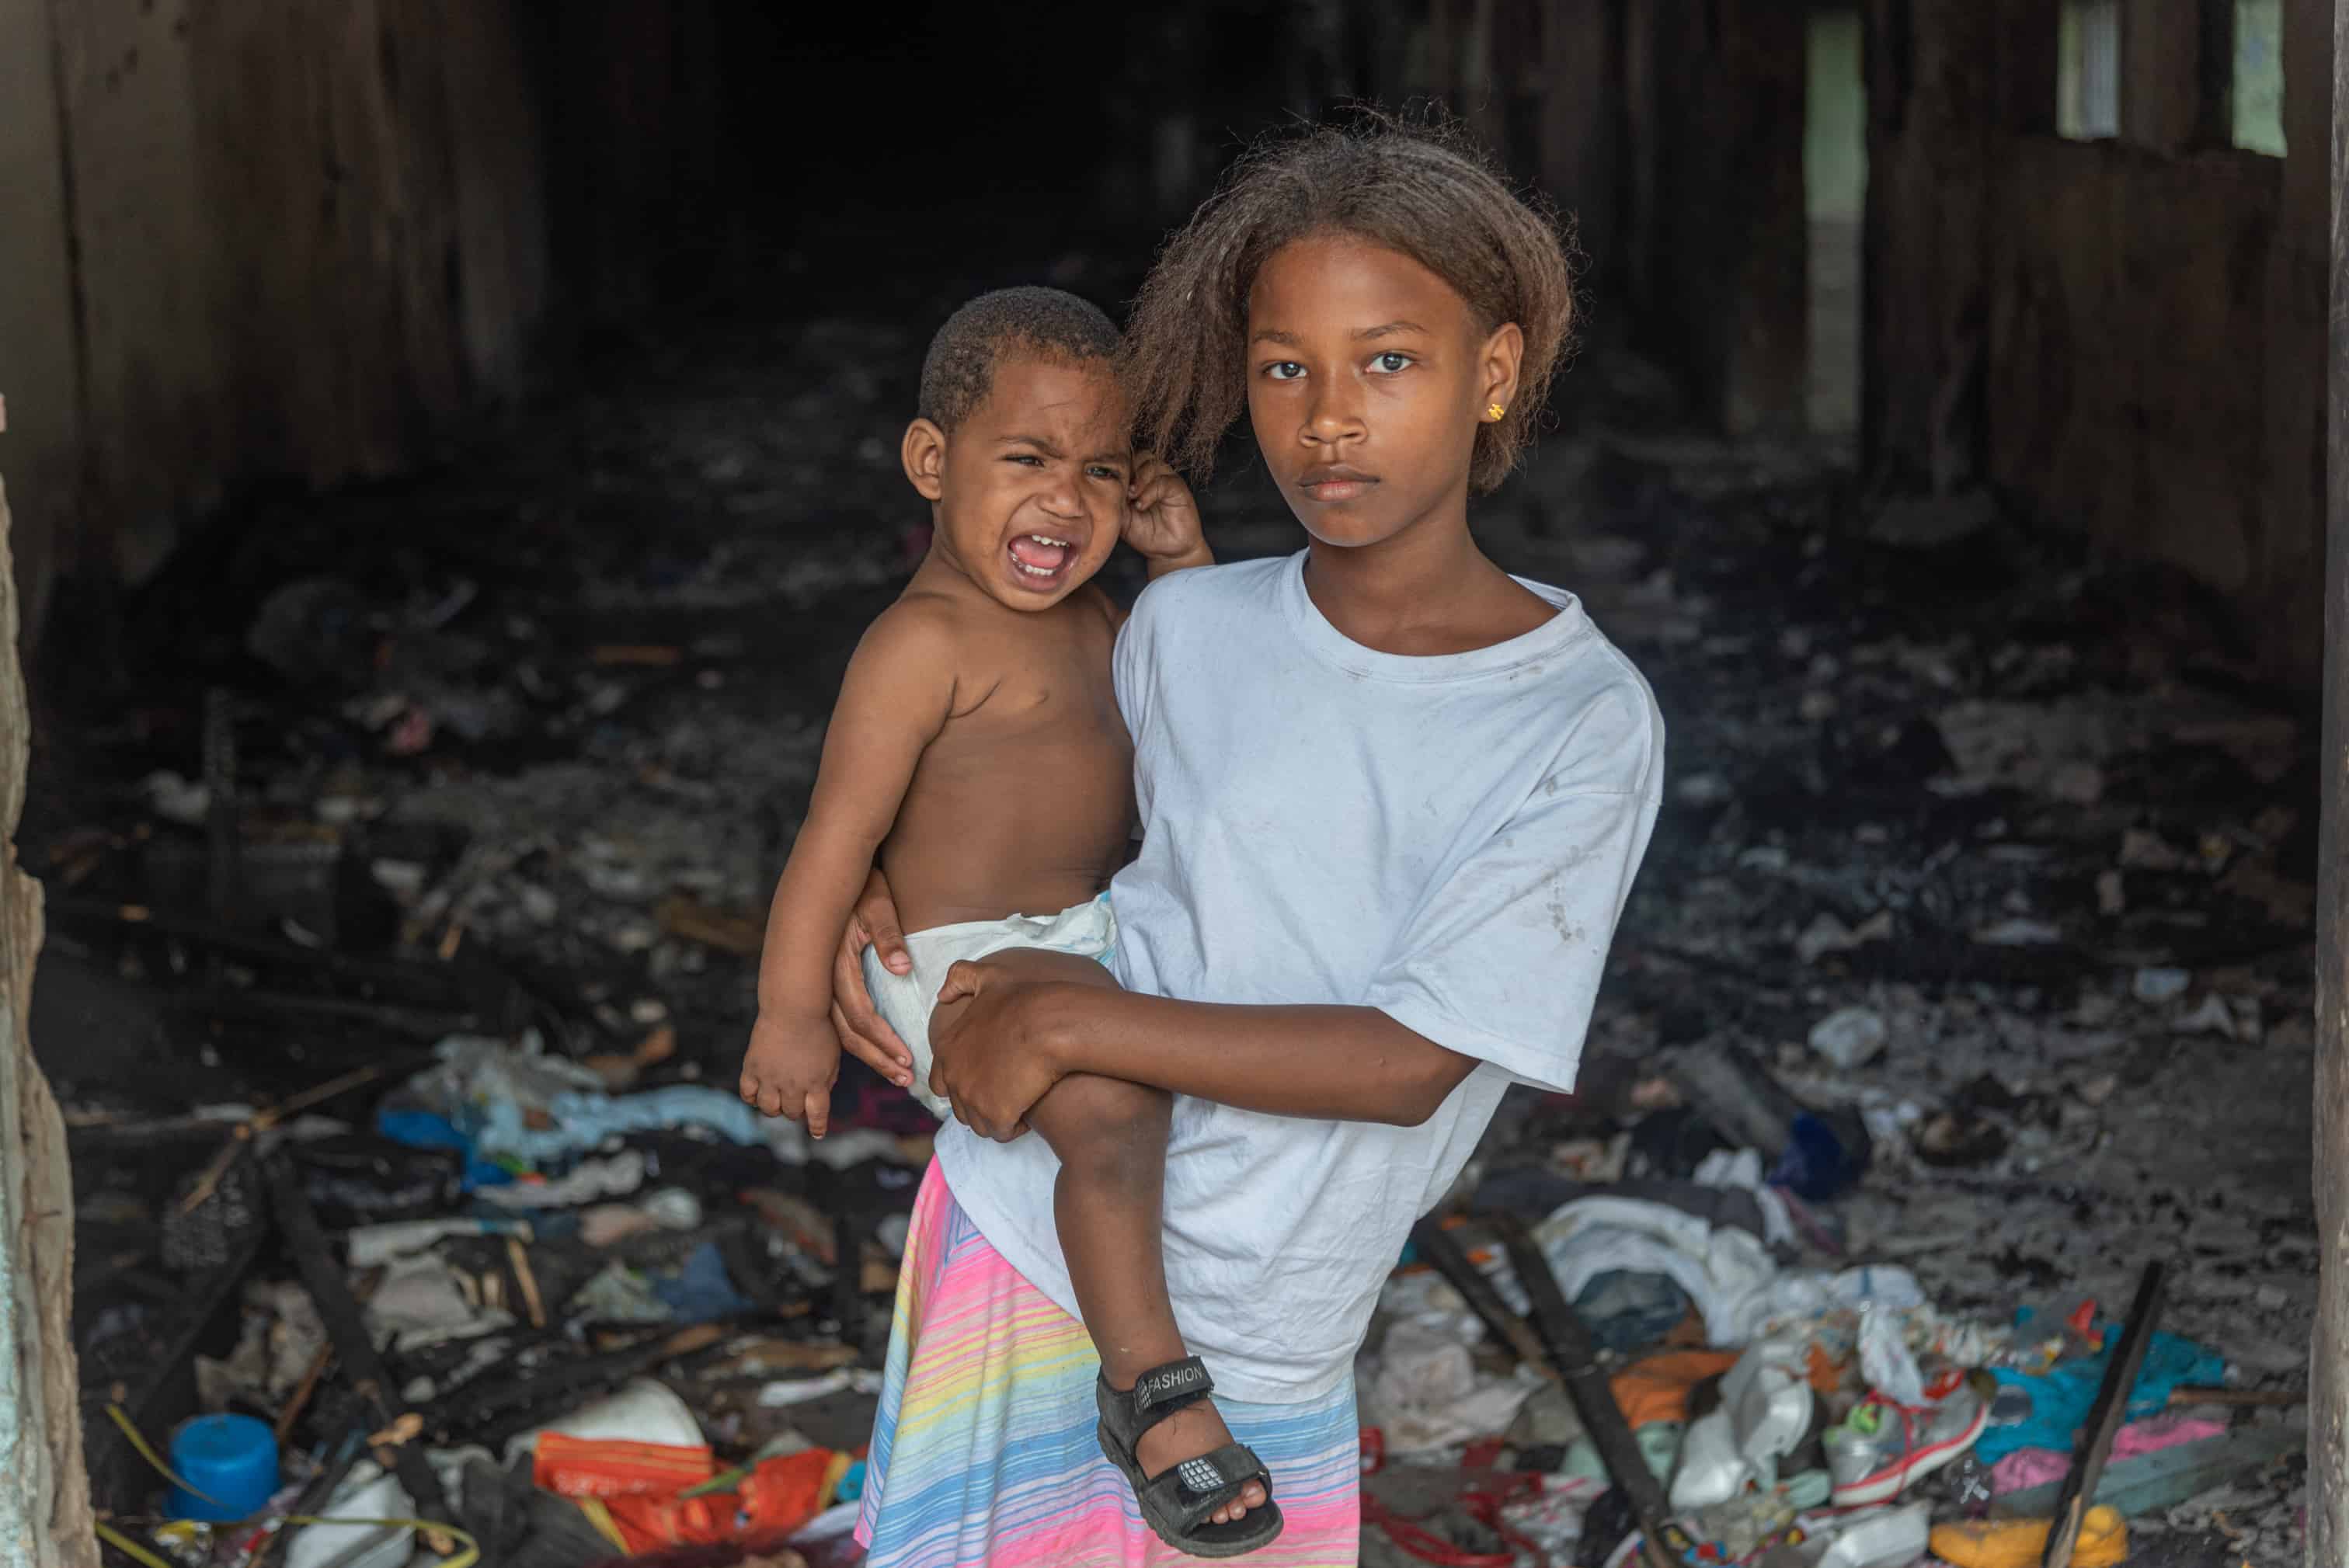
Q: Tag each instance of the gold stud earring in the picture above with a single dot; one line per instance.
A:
(1494, 410)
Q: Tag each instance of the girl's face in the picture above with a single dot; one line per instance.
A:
(1368, 376)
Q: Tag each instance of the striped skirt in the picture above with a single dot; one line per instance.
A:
(983, 1449)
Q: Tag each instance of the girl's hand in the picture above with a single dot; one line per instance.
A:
(986, 1052)
(1162, 519)
(863, 1033)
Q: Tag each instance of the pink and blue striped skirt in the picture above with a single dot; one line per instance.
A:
(983, 1449)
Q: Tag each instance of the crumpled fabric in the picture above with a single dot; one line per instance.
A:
(515, 1102)
(1735, 1285)
(615, 1177)
(1657, 1387)
(1629, 1311)
(2062, 1395)
(2026, 1468)
(1721, 1270)
(700, 1290)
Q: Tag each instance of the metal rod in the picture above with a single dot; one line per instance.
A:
(2104, 1419)
(330, 1293)
(1448, 1259)
(1575, 1359)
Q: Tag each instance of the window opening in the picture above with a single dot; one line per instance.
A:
(2257, 95)
(2089, 70)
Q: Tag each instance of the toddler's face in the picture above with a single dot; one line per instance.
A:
(1032, 489)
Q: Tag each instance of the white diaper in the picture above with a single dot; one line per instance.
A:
(1087, 930)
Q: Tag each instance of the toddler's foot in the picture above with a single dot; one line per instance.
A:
(1186, 1435)
(1200, 1492)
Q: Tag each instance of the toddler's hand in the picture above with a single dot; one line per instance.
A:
(1162, 519)
(790, 1068)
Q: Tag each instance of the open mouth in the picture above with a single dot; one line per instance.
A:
(1039, 561)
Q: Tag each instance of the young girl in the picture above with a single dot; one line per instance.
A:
(1393, 800)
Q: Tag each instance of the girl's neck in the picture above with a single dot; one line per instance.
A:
(1425, 591)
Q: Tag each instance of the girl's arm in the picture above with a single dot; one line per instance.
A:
(1014, 1024)
(1331, 1063)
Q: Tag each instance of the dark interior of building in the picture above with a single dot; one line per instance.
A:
(452, 451)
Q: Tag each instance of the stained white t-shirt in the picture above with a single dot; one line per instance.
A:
(1449, 840)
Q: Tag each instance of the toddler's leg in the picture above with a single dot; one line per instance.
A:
(1108, 1203)
(1109, 1206)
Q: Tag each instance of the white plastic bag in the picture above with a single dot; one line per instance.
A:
(1768, 1398)
(1884, 1357)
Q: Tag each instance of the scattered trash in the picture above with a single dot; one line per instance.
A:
(2025, 1469)
(1851, 1038)
(2019, 932)
(1826, 934)
(2150, 1480)
(2022, 1542)
(229, 1467)
(1971, 952)
(2058, 1399)
(368, 1493)
(857, 1379)
(1895, 1538)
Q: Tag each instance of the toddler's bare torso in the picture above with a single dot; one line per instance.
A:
(1024, 802)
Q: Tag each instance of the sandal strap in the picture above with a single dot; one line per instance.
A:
(1127, 1413)
(1185, 1380)
(1197, 1486)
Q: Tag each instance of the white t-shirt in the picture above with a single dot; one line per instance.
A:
(1449, 840)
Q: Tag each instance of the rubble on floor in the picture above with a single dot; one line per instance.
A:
(404, 932)
(1969, 974)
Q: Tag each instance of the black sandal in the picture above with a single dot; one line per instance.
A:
(1179, 1503)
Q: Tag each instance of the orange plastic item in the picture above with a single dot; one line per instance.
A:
(2021, 1542)
(785, 1493)
(605, 1467)
(773, 1500)
(1657, 1389)
(649, 1524)
(1826, 1371)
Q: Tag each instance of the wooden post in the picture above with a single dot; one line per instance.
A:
(45, 1515)
(2328, 1423)
(2162, 72)
(1725, 293)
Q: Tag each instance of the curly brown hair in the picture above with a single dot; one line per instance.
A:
(1423, 190)
(958, 371)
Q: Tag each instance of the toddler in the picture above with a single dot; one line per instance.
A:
(978, 754)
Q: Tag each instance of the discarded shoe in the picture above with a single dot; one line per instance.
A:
(1881, 1446)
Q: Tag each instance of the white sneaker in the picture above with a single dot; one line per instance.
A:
(1881, 1446)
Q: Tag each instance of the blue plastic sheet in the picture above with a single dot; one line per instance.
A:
(430, 1130)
